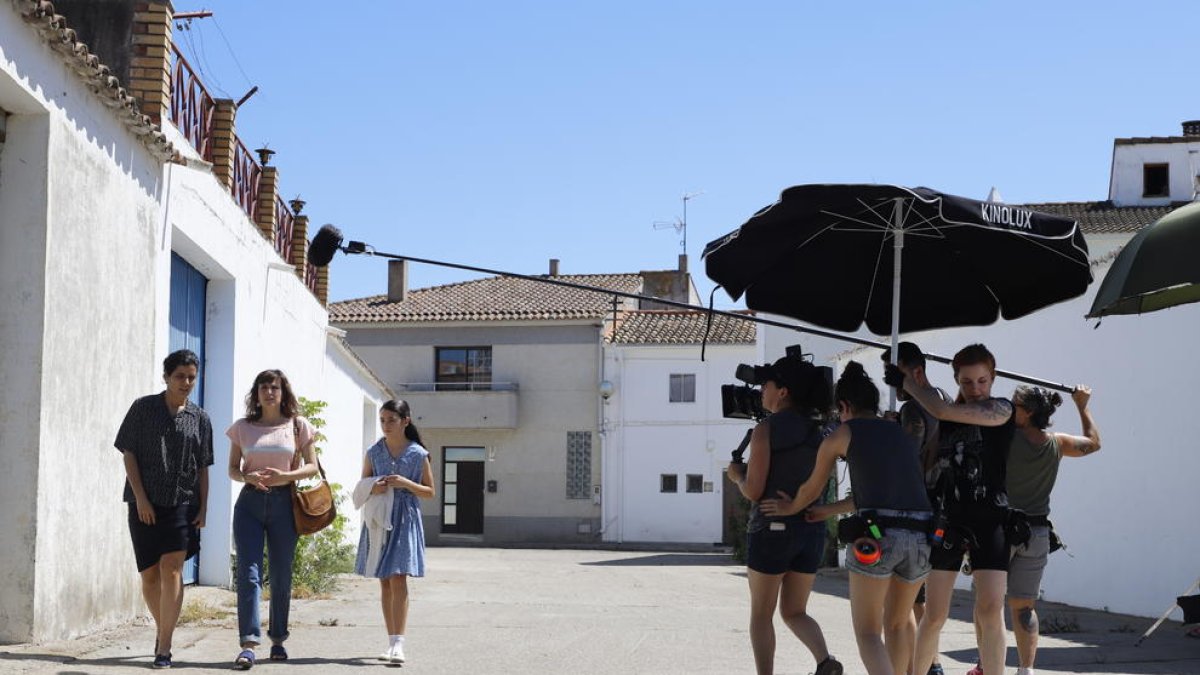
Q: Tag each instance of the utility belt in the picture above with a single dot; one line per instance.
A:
(874, 525)
(1056, 542)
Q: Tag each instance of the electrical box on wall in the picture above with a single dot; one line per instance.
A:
(491, 486)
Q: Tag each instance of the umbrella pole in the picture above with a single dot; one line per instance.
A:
(897, 255)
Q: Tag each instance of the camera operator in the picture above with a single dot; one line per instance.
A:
(782, 554)
(889, 556)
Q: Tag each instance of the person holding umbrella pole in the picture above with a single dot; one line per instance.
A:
(970, 501)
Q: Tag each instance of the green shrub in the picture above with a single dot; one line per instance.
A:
(322, 556)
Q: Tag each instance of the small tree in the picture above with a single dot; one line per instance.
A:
(322, 556)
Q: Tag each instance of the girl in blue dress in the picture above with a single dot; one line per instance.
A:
(400, 464)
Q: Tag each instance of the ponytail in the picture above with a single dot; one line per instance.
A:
(401, 409)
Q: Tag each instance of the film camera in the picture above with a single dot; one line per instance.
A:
(809, 387)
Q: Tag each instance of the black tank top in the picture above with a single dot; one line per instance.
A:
(885, 471)
(972, 467)
(794, 441)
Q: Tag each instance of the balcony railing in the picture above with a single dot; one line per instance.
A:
(310, 278)
(457, 386)
(246, 173)
(285, 222)
(191, 106)
(490, 405)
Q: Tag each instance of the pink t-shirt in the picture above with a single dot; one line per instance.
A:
(268, 446)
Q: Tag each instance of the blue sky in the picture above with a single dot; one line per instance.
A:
(503, 134)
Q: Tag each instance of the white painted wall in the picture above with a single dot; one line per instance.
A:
(88, 222)
(73, 182)
(1125, 188)
(1126, 512)
(645, 435)
(352, 423)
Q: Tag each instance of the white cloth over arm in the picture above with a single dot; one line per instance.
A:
(376, 515)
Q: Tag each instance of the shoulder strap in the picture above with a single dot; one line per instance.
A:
(296, 442)
(297, 455)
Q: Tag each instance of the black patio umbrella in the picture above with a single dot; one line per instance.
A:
(1158, 268)
(898, 259)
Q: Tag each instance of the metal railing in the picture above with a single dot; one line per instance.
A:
(456, 386)
(191, 106)
(285, 223)
(310, 278)
(246, 173)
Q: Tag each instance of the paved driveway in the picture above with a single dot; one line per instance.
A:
(576, 611)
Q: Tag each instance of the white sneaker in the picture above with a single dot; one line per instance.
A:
(397, 653)
(386, 655)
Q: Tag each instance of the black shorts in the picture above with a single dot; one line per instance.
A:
(989, 548)
(799, 547)
(172, 531)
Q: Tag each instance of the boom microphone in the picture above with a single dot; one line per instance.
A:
(327, 242)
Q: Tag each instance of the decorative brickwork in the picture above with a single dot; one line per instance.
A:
(223, 140)
(323, 285)
(150, 69)
(300, 245)
(268, 192)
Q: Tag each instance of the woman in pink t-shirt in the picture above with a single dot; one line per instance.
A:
(270, 448)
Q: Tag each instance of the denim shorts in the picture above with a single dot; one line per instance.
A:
(1027, 565)
(905, 555)
(798, 547)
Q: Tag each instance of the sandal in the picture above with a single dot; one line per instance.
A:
(1194, 632)
(278, 653)
(245, 660)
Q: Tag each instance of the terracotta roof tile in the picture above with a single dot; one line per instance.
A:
(1104, 217)
(53, 28)
(682, 327)
(491, 299)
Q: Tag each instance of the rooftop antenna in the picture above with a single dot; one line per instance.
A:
(679, 224)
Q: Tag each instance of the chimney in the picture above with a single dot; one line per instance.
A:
(397, 280)
(683, 262)
(554, 267)
(1191, 128)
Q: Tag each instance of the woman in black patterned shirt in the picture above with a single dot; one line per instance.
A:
(166, 442)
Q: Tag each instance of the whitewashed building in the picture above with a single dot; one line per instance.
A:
(133, 222)
(548, 410)
(1126, 513)
(665, 443)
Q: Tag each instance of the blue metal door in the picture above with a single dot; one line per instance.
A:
(188, 291)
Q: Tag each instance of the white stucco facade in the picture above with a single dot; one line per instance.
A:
(1179, 154)
(646, 436)
(89, 219)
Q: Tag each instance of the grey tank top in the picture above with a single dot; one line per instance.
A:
(885, 469)
(794, 442)
(1032, 471)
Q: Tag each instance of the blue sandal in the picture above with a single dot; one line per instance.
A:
(245, 660)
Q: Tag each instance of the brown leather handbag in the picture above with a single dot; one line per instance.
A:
(313, 508)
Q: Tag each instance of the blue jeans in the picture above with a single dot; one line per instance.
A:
(258, 518)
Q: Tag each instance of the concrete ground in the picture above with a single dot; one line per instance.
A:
(489, 611)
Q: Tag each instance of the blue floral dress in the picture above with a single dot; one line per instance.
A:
(404, 548)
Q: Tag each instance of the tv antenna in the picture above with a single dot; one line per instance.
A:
(679, 224)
